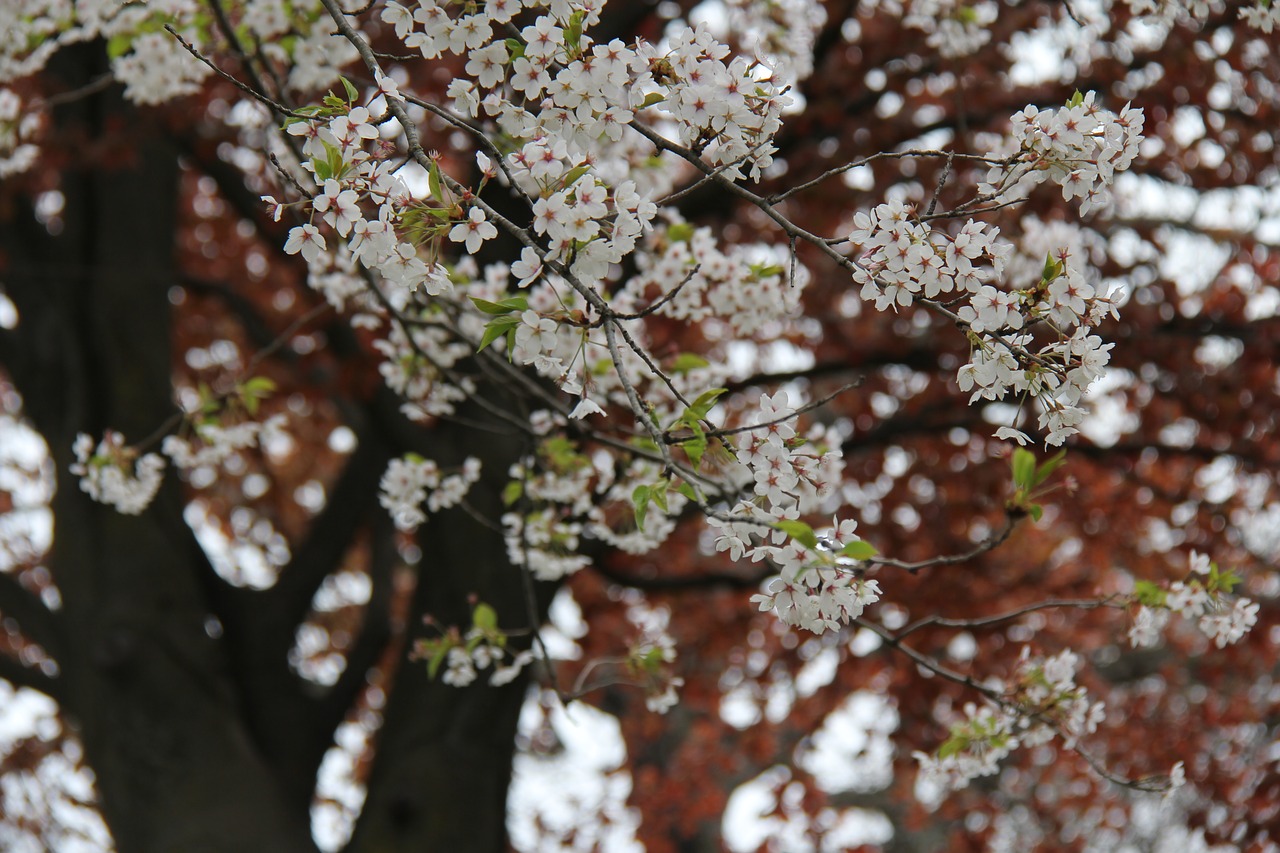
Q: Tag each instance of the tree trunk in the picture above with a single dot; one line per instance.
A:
(197, 744)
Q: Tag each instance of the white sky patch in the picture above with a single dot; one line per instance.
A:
(8, 311)
(1111, 416)
(51, 793)
(1219, 352)
(739, 707)
(749, 821)
(565, 626)
(248, 562)
(26, 473)
(852, 750)
(338, 799)
(817, 672)
(567, 786)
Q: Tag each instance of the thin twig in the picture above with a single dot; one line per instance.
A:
(248, 90)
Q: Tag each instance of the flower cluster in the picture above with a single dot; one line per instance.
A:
(557, 486)
(1042, 702)
(411, 482)
(974, 749)
(1263, 14)
(462, 655)
(903, 259)
(1080, 147)
(415, 361)
(781, 33)
(212, 443)
(749, 287)
(18, 127)
(153, 65)
(113, 474)
(820, 586)
(462, 664)
(1204, 599)
(553, 87)
(651, 655)
(954, 27)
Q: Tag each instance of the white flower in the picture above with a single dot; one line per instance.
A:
(473, 230)
(528, 268)
(586, 407)
(306, 239)
(1147, 624)
(660, 703)
(110, 475)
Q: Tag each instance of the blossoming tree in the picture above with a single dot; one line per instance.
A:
(912, 353)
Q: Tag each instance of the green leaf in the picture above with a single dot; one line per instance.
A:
(433, 666)
(1047, 467)
(1224, 581)
(503, 306)
(652, 99)
(352, 94)
(760, 271)
(1035, 511)
(695, 447)
(704, 403)
(496, 328)
(1076, 100)
(640, 500)
(953, 745)
(434, 182)
(658, 494)
(1052, 268)
(512, 492)
(1149, 594)
(485, 617)
(859, 550)
(118, 45)
(681, 232)
(687, 361)
(798, 531)
(688, 491)
(259, 386)
(515, 48)
(573, 33)
(574, 174)
(1024, 468)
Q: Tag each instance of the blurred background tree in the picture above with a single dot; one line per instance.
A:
(207, 662)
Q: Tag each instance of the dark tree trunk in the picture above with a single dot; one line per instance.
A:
(201, 745)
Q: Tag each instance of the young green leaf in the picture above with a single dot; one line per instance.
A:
(687, 361)
(502, 306)
(798, 531)
(704, 403)
(352, 94)
(859, 550)
(640, 500)
(485, 617)
(1024, 468)
(1046, 469)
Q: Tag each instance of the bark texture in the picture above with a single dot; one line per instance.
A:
(200, 744)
